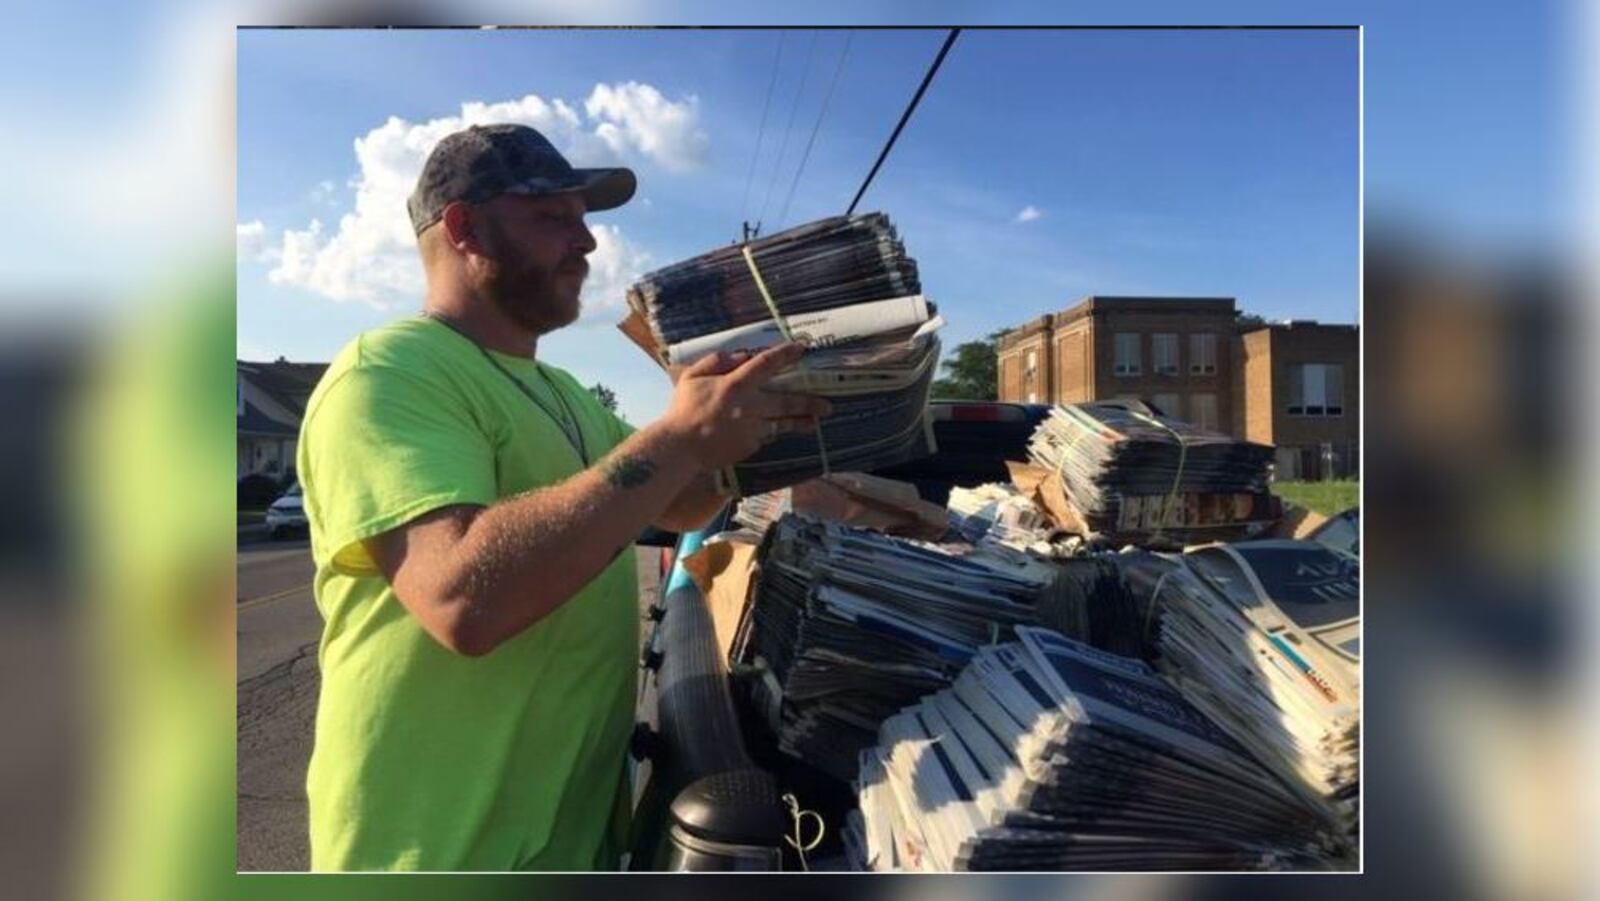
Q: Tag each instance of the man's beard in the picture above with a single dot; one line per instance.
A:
(527, 292)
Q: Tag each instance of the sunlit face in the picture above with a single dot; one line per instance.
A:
(533, 262)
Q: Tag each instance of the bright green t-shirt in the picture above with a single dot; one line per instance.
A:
(426, 759)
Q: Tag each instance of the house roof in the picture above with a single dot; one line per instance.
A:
(290, 384)
(258, 424)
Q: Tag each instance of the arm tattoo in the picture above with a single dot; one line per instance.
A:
(628, 471)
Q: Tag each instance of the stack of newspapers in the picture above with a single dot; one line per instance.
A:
(1047, 754)
(846, 626)
(1129, 473)
(1264, 638)
(1093, 603)
(844, 287)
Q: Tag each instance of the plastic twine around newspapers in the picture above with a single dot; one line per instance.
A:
(1150, 609)
(783, 329)
(1177, 479)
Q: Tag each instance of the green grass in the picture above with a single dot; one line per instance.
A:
(1324, 497)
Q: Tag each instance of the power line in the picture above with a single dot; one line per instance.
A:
(777, 60)
(905, 117)
(783, 149)
(783, 215)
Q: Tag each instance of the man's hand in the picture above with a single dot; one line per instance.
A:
(722, 410)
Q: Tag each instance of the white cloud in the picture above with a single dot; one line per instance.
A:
(371, 256)
(1029, 213)
(252, 244)
(635, 117)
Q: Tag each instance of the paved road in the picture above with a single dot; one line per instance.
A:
(278, 628)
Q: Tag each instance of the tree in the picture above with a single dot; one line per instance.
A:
(606, 396)
(971, 371)
(1247, 322)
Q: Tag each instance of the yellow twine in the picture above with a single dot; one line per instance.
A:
(797, 816)
(1177, 479)
(1155, 596)
(783, 329)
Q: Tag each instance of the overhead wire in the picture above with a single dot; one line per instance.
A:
(749, 179)
(783, 214)
(904, 117)
(783, 149)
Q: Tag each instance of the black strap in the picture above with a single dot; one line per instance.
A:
(574, 434)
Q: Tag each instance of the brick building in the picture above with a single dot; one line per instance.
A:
(1299, 388)
(1172, 352)
(1294, 386)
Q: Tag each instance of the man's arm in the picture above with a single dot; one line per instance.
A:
(476, 576)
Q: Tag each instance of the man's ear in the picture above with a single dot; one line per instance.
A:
(459, 226)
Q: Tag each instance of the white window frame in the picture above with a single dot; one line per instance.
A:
(1325, 377)
(1118, 367)
(1203, 353)
(1157, 341)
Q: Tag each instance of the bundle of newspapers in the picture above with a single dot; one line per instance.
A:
(847, 625)
(1129, 473)
(844, 287)
(1048, 754)
(1264, 638)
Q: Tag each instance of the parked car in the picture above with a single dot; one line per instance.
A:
(287, 515)
(714, 778)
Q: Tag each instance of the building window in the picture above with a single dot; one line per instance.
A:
(1202, 354)
(1164, 354)
(1316, 389)
(1126, 361)
(1168, 405)
(1203, 411)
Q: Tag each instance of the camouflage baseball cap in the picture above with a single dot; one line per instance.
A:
(484, 161)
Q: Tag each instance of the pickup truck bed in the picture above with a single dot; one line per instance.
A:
(711, 779)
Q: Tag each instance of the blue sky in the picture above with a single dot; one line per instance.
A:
(1158, 162)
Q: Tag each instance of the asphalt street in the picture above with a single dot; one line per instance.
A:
(278, 628)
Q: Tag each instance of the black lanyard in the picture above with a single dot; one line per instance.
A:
(574, 432)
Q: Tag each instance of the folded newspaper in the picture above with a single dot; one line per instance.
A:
(1264, 638)
(1123, 473)
(1000, 514)
(845, 288)
(1048, 754)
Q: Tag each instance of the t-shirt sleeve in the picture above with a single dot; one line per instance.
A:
(382, 448)
(620, 427)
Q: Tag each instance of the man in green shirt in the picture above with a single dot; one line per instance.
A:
(472, 512)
